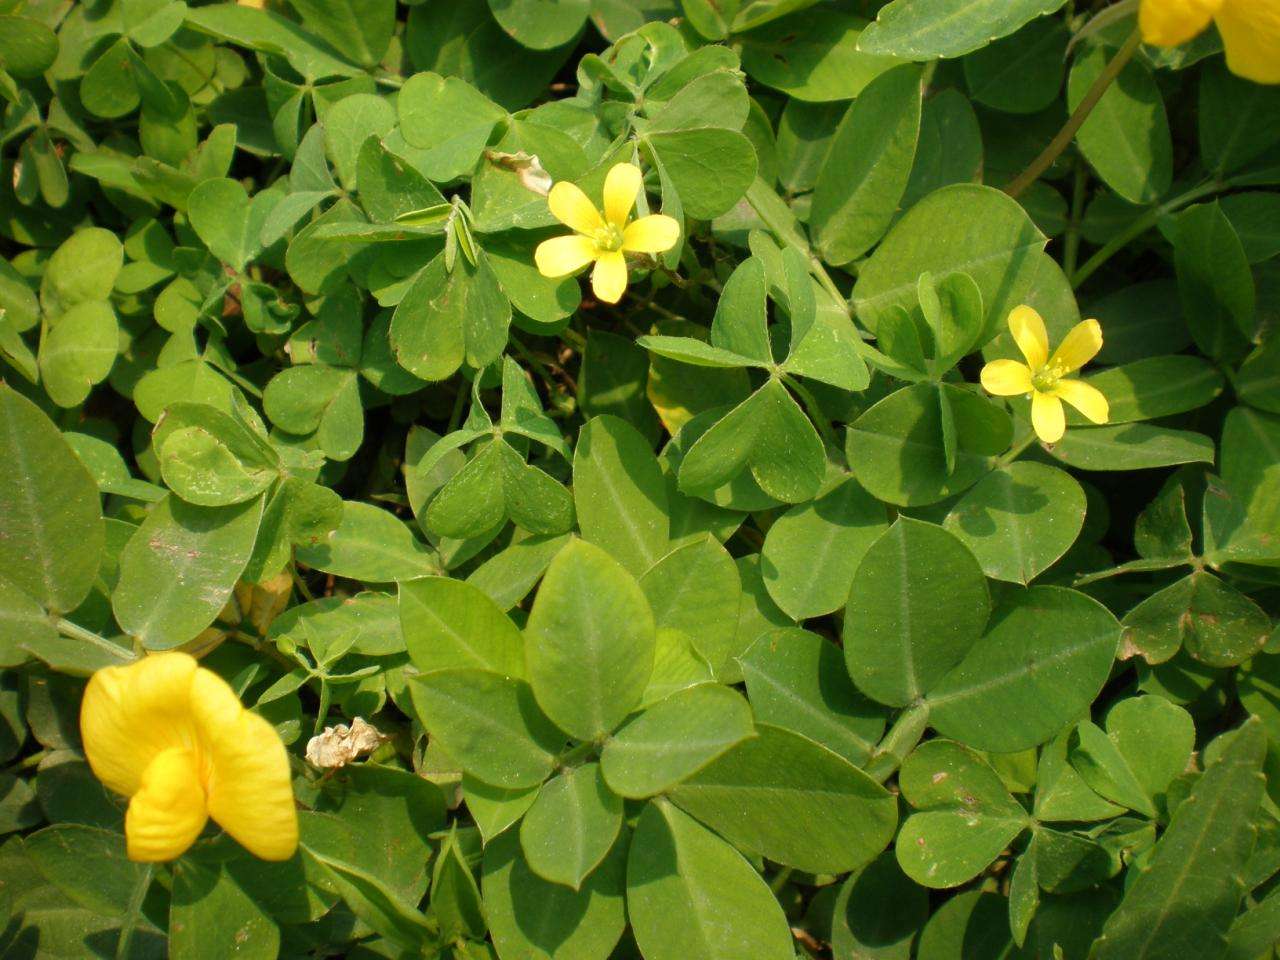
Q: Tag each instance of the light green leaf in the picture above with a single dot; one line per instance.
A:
(78, 351)
(370, 544)
(571, 826)
(696, 590)
(212, 917)
(589, 643)
(925, 29)
(450, 624)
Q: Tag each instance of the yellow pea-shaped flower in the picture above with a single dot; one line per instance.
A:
(1250, 31)
(1044, 378)
(174, 738)
(606, 238)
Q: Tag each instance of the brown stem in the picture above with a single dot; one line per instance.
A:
(1081, 113)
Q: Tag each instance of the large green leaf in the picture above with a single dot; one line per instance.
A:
(783, 796)
(691, 896)
(450, 624)
(925, 29)
(178, 569)
(589, 642)
(51, 533)
(899, 641)
(571, 826)
(1045, 656)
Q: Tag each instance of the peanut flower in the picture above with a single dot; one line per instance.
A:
(603, 239)
(1250, 31)
(1043, 377)
(175, 739)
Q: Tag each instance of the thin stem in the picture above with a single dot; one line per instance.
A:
(300, 583)
(1142, 225)
(1071, 247)
(1069, 130)
(815, 412)
(133, 911)
(77, 632)
(1017, 449)
(322, 713)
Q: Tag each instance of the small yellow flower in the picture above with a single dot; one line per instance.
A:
(1250, 31)
(603, 239)
(175, 739)
(1043, 377)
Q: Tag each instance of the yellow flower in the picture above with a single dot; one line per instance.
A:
(1043, 377)
(603, 239)
(1250, 31)
(175, 739)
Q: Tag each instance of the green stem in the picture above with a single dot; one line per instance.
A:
(780, 880)
(1071, 247)
(300, 583)
(815, 265)
(1142, 225)
(1081, 113)
(77, 632)
(575, 755)
(898, 742)
(1017, 449)
(133, 911)
(322, 712)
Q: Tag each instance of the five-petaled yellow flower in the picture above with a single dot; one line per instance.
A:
(1250, 31)
(175, 739)
(604, 239)
(1044, 377)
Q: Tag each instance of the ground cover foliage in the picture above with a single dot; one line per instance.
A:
(771, 607)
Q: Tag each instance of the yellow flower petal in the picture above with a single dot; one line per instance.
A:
(561, 256)
(1029, 334)
(250, 793)
(1086, 398)
(130, 714)
(1047, 417)
(571, 207)
(1167, 23)
(609, 278)
(621, 187)
(168, 812)
(1251, 35)
(1078, 347)
(1006, 378)
(652, 234)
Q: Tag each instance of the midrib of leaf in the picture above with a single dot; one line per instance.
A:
(891, 293)
(628, 522)
(826, 720)
(1009, 676)
(457, 637)
(904, 615)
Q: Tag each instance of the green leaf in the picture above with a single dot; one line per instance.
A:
(797, 680)
(494, 809)
(925, 29)
(538, 24)
(1210, 619)
(674, 739)
(589, 643)
(82, 270)
(791, 800)
(1155, 387)
(571, 826)
(1237, 119)
(370, 544)
(812, 56)
(1020, 73)
(1126, 137)
(964, 815)
(269, 32)
(27, 46)
(359, 29)
(78, 351)
(1019, 520)
(449, 120)
(88, 864)
(709, 167)
(767, 434)
(812, 551)
(210, 458)
(24, 626)
(455, 897)
(691, 896)
(1191, 888)
(450, 316)
(878, 912)
(178, 569)
(51, 532)
(898, 640)
(450, 624)
(373, 902)
(898, 448)
(314, 398)
(963, 228)
(535, 919)
(1132, 446)
(228, 222)
(1043, 660)
(866, 171)
(619, 493)
(489, 723)
(695, 589)
(212, 917)
(1219, 299)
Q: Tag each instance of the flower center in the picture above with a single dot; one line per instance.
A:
(1046, 378)
(608, 238)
